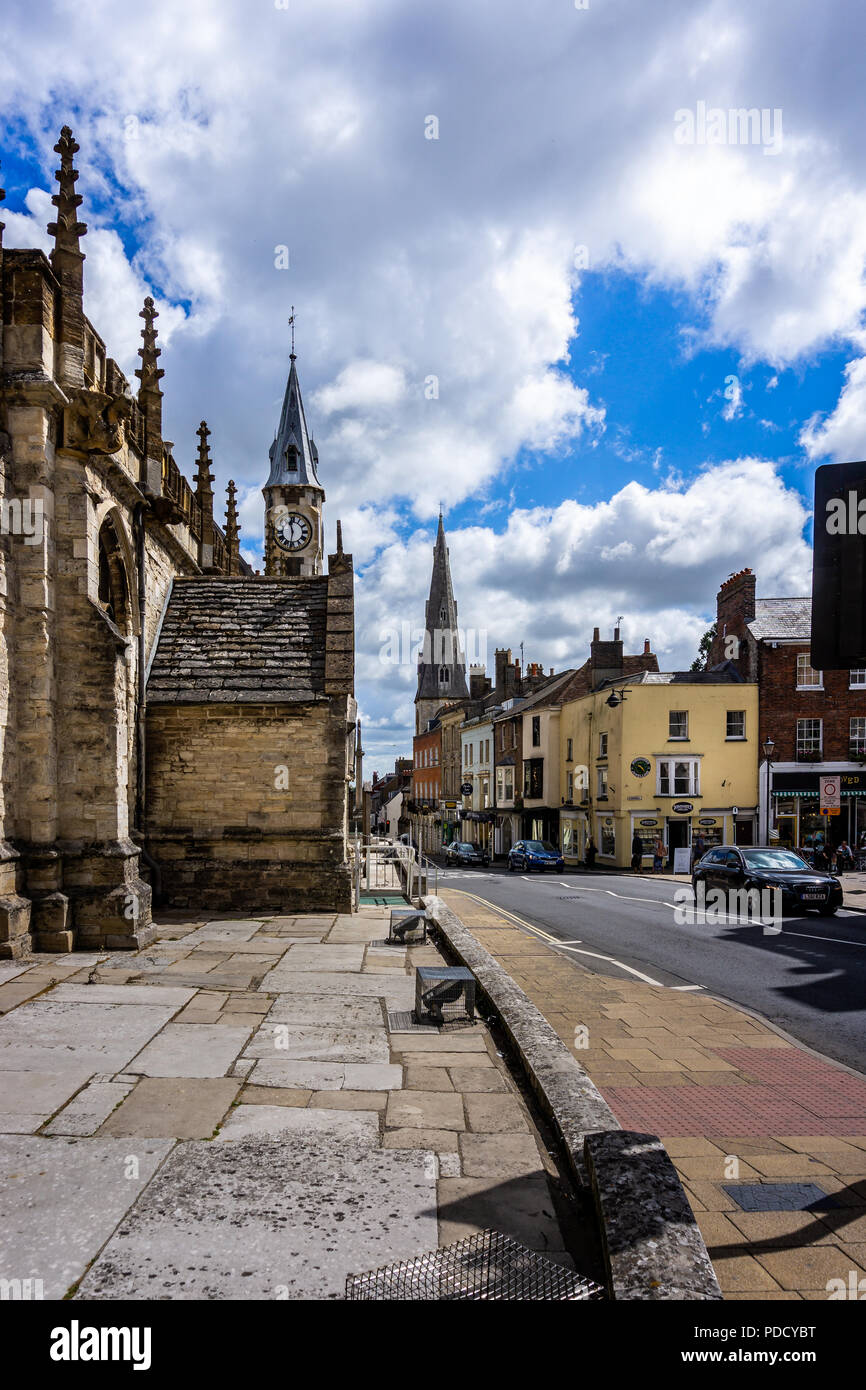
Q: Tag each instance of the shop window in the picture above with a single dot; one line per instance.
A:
(736, 724)
(807, 677)
(678, 723)
(608, 839)
(678, 777)
(808, 738)
(857, 736)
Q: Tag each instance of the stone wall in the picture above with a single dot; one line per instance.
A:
(247, 805)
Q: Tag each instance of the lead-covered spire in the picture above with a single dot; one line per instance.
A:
(293, 455)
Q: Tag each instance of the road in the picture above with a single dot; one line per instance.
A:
(809, 978)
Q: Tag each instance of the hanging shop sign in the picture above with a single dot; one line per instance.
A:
(640, 767)
(466, 788)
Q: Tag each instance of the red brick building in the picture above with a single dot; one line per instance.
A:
(816, 720)
(427, 787)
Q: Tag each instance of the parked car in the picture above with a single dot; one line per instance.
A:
(527, 855)
(803, 887)
(461, 852)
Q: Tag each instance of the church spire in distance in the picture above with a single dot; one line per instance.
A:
(442, 665)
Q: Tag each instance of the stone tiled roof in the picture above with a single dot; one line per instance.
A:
(245, 641)
(782, 618)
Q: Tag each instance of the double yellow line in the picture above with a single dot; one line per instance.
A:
(510, 916)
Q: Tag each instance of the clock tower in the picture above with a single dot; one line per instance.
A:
(293, 494)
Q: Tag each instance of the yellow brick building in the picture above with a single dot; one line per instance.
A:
(670, 754)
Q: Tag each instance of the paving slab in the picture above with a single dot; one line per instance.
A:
(173, 1107)
(425, 1110)
(50, 1035)
(191, 1049)
(327, 1076)
(340, 1009)
(308, 1043)
(324, 957)
(168, 995)
(60, 1200)
(356, 1128)
(495, 1114)
(399, 993)
(348, 1100)
(521, 1207)
(86, 1112)
(427, 1140)
(499, 1155)
(313, 1212)
(29, 1098)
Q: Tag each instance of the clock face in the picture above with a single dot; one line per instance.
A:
(293, 531)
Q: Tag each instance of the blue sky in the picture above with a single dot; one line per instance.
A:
(582, 442)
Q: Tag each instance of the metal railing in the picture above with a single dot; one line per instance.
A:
(389, 866)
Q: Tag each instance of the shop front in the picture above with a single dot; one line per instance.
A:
(796, 819)
(572, 830)
(541, 824)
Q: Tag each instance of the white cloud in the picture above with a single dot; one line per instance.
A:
(840, 435)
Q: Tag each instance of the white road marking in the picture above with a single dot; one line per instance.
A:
(560, 945)
(682, 988)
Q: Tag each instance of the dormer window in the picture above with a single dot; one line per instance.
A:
(292, 459)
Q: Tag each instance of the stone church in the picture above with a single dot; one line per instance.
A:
(171, 723)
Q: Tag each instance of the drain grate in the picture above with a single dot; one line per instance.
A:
(400, 1021)
(779, 1196)
(490, 1267)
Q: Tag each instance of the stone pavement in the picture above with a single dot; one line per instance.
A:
(226, 1114)
(733, 1101)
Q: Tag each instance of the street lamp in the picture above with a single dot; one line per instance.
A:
(769, 749)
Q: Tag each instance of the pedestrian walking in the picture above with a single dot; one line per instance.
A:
(658, 855)
(589, 852)
(699, 848)
(636, 853)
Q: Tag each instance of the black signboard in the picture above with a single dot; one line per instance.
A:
(838, 640)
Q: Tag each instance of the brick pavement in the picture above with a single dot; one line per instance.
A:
(732, 1100)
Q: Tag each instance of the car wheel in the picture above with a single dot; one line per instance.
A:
(829, 911)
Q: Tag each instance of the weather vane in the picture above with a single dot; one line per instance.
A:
(292, 326)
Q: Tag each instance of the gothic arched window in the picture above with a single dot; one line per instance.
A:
(113, 589)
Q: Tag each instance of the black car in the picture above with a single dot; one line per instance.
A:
(803, 888)
(461, 852)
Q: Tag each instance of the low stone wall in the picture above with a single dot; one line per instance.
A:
(652, 1245)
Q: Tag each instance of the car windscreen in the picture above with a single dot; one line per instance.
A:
(773, 859)
(551, 849)
(536, 846)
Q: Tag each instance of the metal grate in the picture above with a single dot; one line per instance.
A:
(403, 1021)
(444, 994)
(489, 1267)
